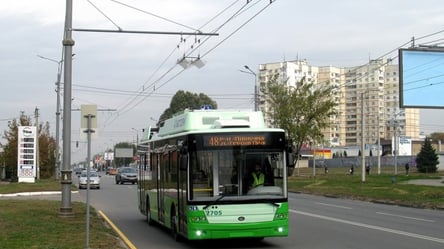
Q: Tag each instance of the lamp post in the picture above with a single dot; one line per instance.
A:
(379, 146)
(57, 152)
(255, 84)
(395, 139)
(362, 140)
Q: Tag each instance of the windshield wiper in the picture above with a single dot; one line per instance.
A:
(214, 202)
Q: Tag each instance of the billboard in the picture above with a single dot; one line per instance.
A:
(124, 153)
(421, 77)
(26, 153)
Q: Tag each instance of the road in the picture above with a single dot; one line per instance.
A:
(315, 222)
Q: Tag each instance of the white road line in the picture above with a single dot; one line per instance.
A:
(405, 217)
(399, 232)
(332, 205)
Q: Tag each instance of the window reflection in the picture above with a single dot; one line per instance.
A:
(230, 173)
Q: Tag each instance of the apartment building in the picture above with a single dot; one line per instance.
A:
(367, 98)
(289, 73)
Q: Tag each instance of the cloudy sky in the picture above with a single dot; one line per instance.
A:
(136, 74)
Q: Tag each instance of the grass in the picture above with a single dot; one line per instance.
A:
(36, 223)
(380, 188)
(39, 185)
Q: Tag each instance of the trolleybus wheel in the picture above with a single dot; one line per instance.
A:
(173, 223)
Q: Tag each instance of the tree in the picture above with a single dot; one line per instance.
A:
(182, 100)
(46, 147)
(303, 110)
(427, 159)
(437, 136)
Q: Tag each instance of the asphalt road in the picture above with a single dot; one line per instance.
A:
(315, 222)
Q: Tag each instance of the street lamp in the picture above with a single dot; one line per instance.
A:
(395, 138)
(255, 84)
(59, 73)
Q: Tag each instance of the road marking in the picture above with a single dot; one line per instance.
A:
(359, 224)
(332, 205)
(120, 233)
(405, 217)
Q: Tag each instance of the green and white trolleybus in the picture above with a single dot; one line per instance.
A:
(195, 176)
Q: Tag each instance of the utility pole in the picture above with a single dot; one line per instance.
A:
(256, 108)
(362, 139)
(57, 149)
(379, 144)
(66, 173)
(68, 43)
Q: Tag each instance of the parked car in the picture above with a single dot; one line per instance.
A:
(94, 180)
(126, 174)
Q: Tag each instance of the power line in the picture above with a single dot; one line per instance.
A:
(127, 108)
(157, 16)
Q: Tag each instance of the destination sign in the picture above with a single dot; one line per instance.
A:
(235, 140)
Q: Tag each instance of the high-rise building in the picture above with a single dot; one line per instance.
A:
(367, 99)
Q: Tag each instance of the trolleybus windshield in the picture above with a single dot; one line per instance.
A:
(237, 167)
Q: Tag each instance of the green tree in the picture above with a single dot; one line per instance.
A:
(10, 147)
(303, 110)
(182, 100)
(46, 147)
(427, 159)
(437, 136)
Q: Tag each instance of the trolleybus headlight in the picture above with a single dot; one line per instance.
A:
(198, 233)
(280, 216)
(198, 219)
(280, 229)
(193, 208)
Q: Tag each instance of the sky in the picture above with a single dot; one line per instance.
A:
(132, 77)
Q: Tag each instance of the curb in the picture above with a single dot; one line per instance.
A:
(122, 236)
(35, 193)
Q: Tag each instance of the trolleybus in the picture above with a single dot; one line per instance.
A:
(195, 176)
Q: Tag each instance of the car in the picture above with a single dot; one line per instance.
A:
(111, 171)
(78, 171)
(126, 174)
(94, 180)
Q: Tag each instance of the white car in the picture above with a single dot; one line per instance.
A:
(94, 180)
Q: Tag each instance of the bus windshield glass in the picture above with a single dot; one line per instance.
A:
(237, 174)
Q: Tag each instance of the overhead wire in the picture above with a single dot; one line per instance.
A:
(103, 14)
(153, 83)
(177, 74)
(152, 14)
(210, 50)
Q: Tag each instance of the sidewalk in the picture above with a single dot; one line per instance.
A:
(428, 182)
